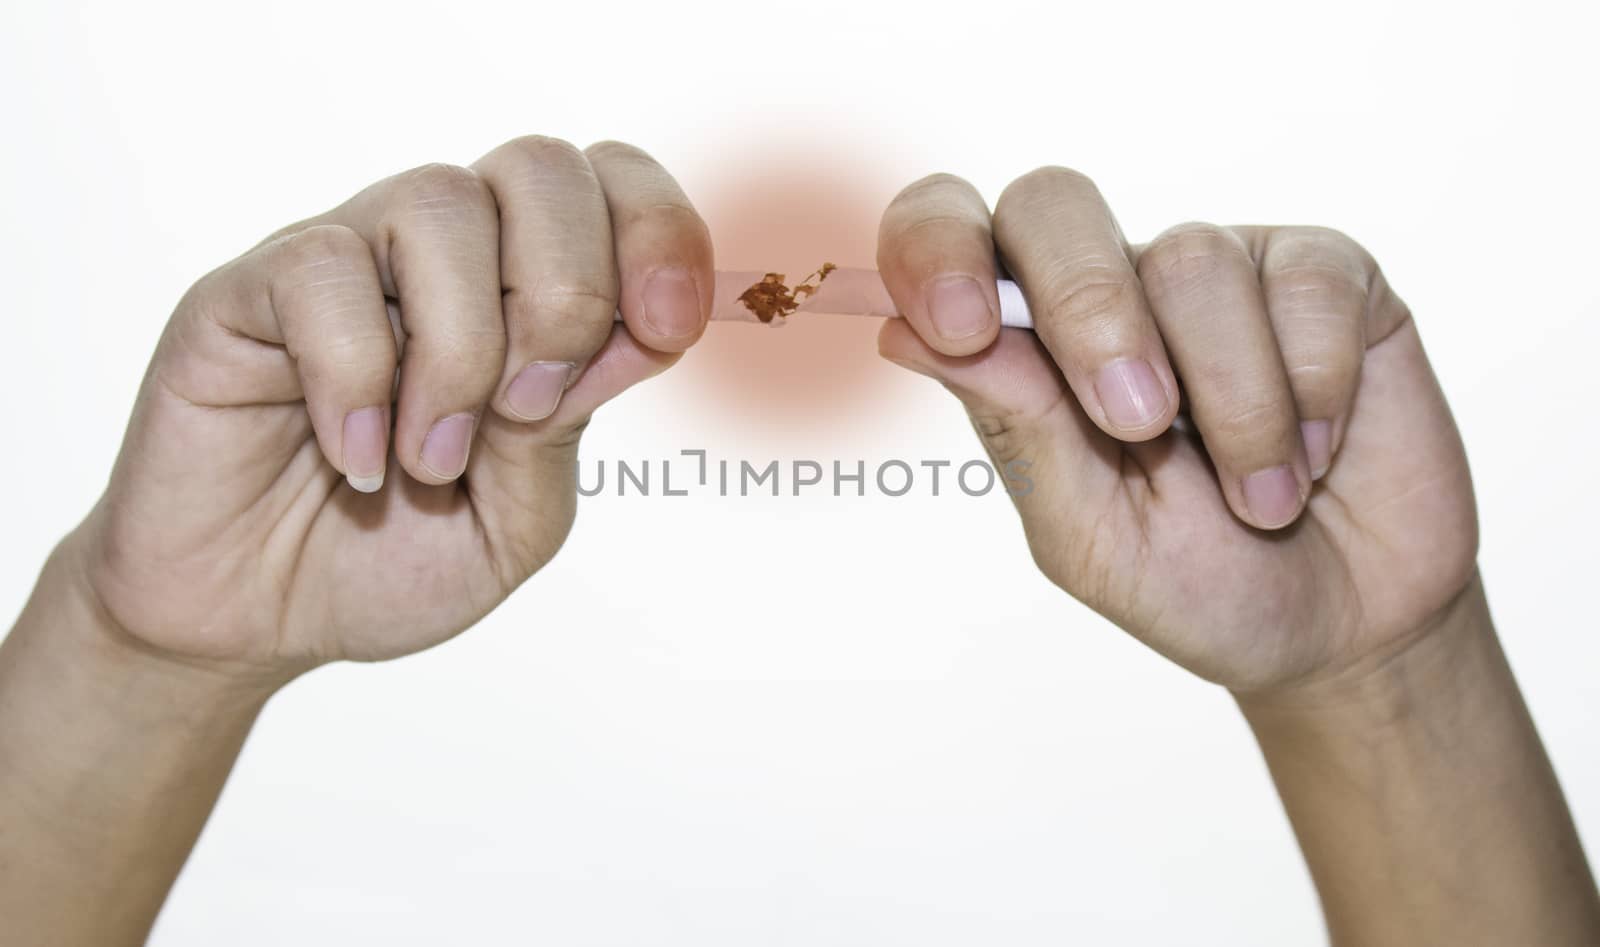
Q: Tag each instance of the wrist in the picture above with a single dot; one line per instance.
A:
(67, 625)
(113, 755)
(1422, 798)
(1421, 670)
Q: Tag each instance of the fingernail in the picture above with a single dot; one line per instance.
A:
(957, 308)
(537, 389)
(365, 430)
(1130, 393)
(1318, 438)
(671, 305)
(1272, 496)
(444, 450)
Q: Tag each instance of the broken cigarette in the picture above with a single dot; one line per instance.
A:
(767, 298)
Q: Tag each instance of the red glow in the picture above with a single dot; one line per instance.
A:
(790, 211)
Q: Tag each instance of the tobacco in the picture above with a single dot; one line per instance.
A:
(772, 298)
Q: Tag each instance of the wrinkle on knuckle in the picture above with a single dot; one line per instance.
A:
(1314, 244)
(354, 349)
(469, 348)
(323, 247)
(1040, 190)
(579, 306)
(1296, 246)
(1185, 260)
(1245, 422)
(1010, 436)
(1328, 237)
(544, 151)
(445, 189)
(1317, 286)
(1322, 378)
(1005, 437)
(1088, 294)
(325, 269)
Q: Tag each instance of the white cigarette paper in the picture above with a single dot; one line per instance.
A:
(845, 292)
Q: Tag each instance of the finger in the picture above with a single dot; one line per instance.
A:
(435, 238)
(1204, 293)
(936, 256)
(1062, 473)
(1059, 239)
(663, 248)
(523, 466)
(558, 274)
(1316, 287)
(317, 293)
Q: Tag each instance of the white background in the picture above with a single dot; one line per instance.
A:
(805, 721)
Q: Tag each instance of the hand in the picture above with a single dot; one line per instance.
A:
(1310, 515)
(285, 498)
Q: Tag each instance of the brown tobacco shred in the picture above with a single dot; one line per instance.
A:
(772, 297)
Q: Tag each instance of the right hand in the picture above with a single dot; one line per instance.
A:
(1300, 367)
(284, 498)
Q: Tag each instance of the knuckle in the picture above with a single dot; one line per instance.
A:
(1322, 378)
(1010, 436)
(1048, 179)
(1246, 423)
(1329, 237)
(1315, 286)
(1201, 232)
(1001, 434)
(1093, 296)
(1293, 245)
(574, 306)
(1321, 246)
(545, 151)
(1190, 255)
(321, 246)
(1006, 441)
(613, 150)
(470, 351)
(354, 350)
(446, 187)
(320, 266)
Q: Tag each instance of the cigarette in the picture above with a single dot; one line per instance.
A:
(831, 290)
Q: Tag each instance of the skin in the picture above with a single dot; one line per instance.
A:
(1303, 533)
(262, 519)
(244, 537)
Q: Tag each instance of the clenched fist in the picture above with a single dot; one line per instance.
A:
(359, 437)
(1239, 451)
